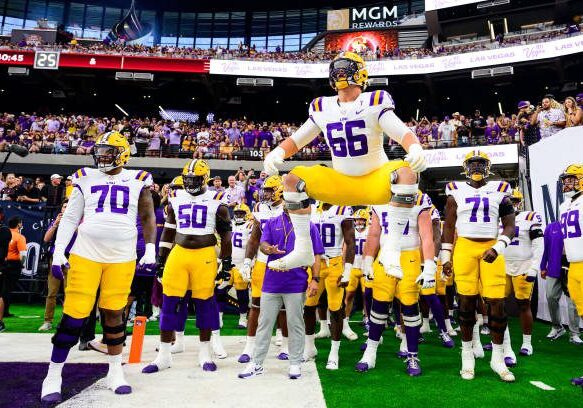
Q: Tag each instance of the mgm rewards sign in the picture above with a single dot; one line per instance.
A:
(362, 17)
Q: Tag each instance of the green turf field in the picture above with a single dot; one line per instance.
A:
(553, 363)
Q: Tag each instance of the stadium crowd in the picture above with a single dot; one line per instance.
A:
(279, 55)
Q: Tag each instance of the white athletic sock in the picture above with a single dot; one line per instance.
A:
(372, 344)
(480, 319)
(334, 350)
(249, 346)
(498, 353)
(114, 361)
(179, 337)
(301, 224)
(55, 369)
(467, 345)
(310, 342)
(204, 354)
(526, 338)
(164, 348)
(448, 325)
(507, 342)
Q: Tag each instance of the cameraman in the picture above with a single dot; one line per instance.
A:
(528, 133)
(549, 119)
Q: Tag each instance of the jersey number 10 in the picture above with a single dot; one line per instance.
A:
(344, 142)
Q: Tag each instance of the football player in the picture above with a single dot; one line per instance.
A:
(416, 241)
(108, 199)
(187, 251)
(242, 227)
(354, 123)
(361, 219)
(271, 205)
(572, 224)
(523, 258)
(337, 232)
(429, 296)
(473, 211)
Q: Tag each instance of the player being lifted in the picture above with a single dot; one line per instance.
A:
(354, 123)
(271, 205)
(108, 199)
(571, 219)
(417, 239)
(361, 221)
(242, 227)
(187, 251)
(336, 229)
(473, 211)
(523, 258)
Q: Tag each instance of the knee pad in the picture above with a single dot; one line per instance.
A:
(411, 315)
(68, 332)
(379, 312)
(207, 314)
(296, 200)
(108, 330)
(403, 193)
(169, 313)
(497, 318)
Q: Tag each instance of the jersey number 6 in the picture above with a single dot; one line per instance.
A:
(344, 142)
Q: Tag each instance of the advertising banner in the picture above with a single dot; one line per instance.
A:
(362, 41)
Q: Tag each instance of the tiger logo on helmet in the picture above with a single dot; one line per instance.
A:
(272, 190)
(241, 213)
(572, 180)
(195, 176)
(361, 219)
(348, 68)
(111, 151)
(477, 165)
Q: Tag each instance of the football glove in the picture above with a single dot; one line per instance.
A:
(367, 269)
(345, 278)
(245, 270)
(160, 264)
(59, 261)
(148, 261)
(416, 158)
(224, 276)
(273, 161)
(427, 277)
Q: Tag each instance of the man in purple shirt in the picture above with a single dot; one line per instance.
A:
(284, 288)
(553, 269)
(250, 138)
(265, 137)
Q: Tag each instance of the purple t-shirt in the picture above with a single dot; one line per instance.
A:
(492, 134)
(267, 136)
(251, 189)
(249, 138)
(295, 280)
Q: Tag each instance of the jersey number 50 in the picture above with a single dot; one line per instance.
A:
(344, 142)
(192, 216)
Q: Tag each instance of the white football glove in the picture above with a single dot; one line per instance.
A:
(148, 261)
(367, 269)
(273, 161)
(416, 158)
(346, 274)
(427, 278)
(245, 270)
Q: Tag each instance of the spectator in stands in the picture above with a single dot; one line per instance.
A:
(53, 193)
(478, 128)
(251, 190)
(249, 137)
(15, 258)
(217, 185)
(234, 194)
(226, 149)
(68, 186)
(573, 113)
(86, 145)
(11, 187)
(5, 239)
(234, 133)
(492, 133)
(549, 119)
(188, 145)
(28, 193)
(261, 179)
(456, 119)
(265, 139)
(156, 142)
(174, 139)
(424, 131)
(446, 133)
(528, 133)
(463, 131)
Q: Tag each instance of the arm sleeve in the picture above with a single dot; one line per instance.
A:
(70, 220)
(306, 133)
(392, 125)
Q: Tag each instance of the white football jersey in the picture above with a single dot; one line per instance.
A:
(360, 239)
(435, 216)
(478, 208)
(571, 218)
(520, 249)
(352, 130)
(410, 240)
(108, 232)
(263, 212)
(329, 224)
(195, 214)
(239, 238)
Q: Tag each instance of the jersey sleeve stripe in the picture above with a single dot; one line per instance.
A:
(83, 172)
(530, 216)
(140, 175)
(419, 199)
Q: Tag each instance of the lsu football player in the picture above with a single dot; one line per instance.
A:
(270, 205)
(108, 199)
(416, 242)
(242, 228)
(430, 296)
(361, 220)
(336, 229)
(523, 258)
(473, 211)
(354, 123)
(571, 219)
(187, 253)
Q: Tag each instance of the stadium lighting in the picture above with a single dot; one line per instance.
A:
(121, 110)
(417, 115)
(500, 108)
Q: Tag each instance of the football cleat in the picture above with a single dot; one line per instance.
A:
(252, 370)
(487, 346)
(294, 372)
(468, 365)
(98, 346)
(446, 340)
(310, 354)
(159, 364)
(46, 326)
(413, 366)
(244, 358)
(403, 352)
(577, 381)
(348, 333)
(332, 363)
(116, 381)
(425, 328)
(283, 354)
(242, 322)
(51, 388)
(555, 333)
(367, 362)
(576, 340)
(324, 331)
(526, 350)
(502, 371)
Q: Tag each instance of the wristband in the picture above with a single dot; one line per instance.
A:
(501, 244)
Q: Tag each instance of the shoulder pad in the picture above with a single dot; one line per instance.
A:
(504, 187)
(82, 172)
(381, 97)
(451, 187)
(317, 105)
(142, 175)
(219, 195)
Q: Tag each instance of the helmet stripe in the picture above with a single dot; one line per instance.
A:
(192, 165)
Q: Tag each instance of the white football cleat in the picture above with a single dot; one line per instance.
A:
(332, 363)
(217, 345)
(310, 354)
(116, 380)
(51, 388)
(499, 367)
(46, 326)
(324, 332)
(526, 349)
(368, 360)
(425, 328)
(294, 372)
(348, 332)
(242, 321)
(468, 365)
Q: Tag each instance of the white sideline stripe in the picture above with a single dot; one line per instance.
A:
(542, 385)
(185, 382)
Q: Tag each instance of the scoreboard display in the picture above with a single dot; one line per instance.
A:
(46, 60)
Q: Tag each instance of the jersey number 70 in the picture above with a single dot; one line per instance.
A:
(344, 141)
